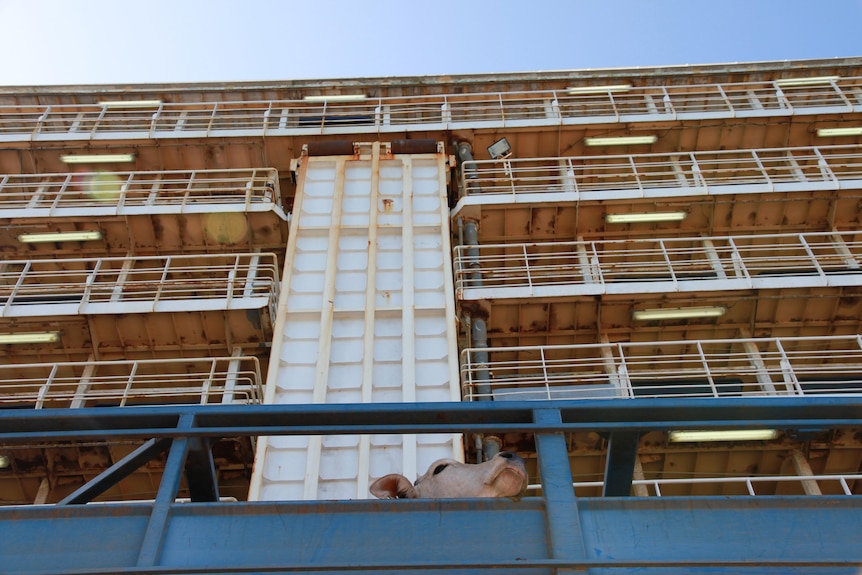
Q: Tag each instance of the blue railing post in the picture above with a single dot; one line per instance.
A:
(154, 536)
(561, 507)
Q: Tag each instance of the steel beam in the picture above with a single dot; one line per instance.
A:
(201, 476)
(561, 506)
(801, 535)
(154, 536)
(602, 416)
(620, 463)
(116, 472)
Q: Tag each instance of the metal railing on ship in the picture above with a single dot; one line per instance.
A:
(656, 175)
(138, 284)
(839, 483)
(720, 368)
(445, 111)
(98, 193)
(658, 265)
(220, 380)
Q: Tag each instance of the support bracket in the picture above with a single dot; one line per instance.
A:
(117, 472)
(620, 465)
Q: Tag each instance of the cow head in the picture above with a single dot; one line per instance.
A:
(504, 475)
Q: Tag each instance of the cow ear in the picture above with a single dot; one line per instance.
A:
(510, 484)
(393, 486)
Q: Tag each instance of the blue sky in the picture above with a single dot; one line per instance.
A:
(142, 41)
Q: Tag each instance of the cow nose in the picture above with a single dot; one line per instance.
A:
(506, 454)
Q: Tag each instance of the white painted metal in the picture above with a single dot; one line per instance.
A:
(367, 316)
(234, 379)
(744, 367)
(421, 113)
(661, 175)
(127, 193)
(802, 467)
(693, 264)
(642, 485)
(86, 286)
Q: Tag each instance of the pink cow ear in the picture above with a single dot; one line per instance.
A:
(393, 486)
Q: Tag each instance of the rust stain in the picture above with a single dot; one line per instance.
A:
(387, 204)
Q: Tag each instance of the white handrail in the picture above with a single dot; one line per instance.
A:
(710, 171)
(695, 263)
(749, 482)
(129, 382)
(127, 192)
(744, 367)
(410, 113)
(137, 284)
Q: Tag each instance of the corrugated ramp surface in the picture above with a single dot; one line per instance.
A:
(367, 316)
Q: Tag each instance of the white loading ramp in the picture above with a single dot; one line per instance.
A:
(367, 316)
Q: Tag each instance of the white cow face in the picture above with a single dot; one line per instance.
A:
(504, 475)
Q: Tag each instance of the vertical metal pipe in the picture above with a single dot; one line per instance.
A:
(465, 154)
(479, 332)
(489, 445)
(468, 234)
(492, 445)
(471, 239)
(479, 446)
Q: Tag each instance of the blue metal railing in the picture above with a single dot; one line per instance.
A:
(534, 535)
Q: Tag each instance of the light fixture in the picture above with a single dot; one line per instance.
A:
(637, 218)
(98, 158)
(813, 81)
(83, 236)
(620, 141)
(500, 149)
(5, 461)
(826, 132)
(678, 313)
(722, 435)
(336, 98)
(131, 103)
(598, 89)
(30, 337)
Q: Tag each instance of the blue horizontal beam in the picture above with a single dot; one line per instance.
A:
(614, 415)
(625, 535)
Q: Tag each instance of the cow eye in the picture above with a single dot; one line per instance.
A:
(440, 468)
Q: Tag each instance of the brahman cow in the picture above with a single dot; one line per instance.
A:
(504, 475)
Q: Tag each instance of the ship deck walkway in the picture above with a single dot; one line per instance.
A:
(154, 119)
